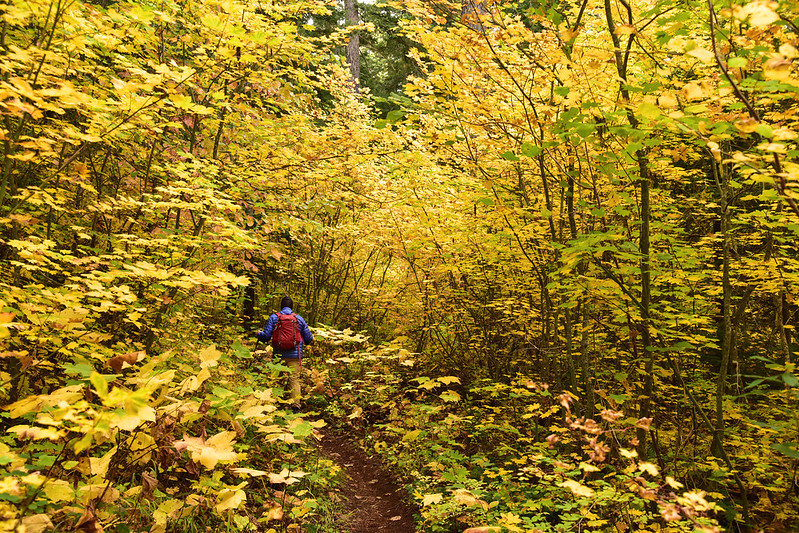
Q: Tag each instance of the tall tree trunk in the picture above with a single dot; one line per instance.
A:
(721, 176)
(354, 45)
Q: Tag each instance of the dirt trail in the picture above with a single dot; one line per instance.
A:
(373, 500)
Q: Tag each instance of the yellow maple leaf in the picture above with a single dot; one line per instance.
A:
(229, 499)
(209, 356)
(705, 56)
(649, 468)
(209, 453)
(578, 489)
(430, 499)
(37, 523)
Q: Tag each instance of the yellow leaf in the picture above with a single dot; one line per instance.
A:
(209, 356)
(649, 468)
(668, 100)
(217, 448)
(629, 454)
(411, 435)
(92, 492)
(249, 472)
(166, 510)
(229, 499)
(705, 56)
(696, 91)
(577, 489)
(777, 68)
(648, 110)
(142, 445)
(37, 523)
(673, 483)
(789, 51)
(585, 467)
(130, 419)
(760, 12)
(58, 490)
(746, 125)
(99, 465)
(430, 499)
(37, 433)
(286, 476)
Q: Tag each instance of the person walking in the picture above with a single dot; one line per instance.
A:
(288, 333)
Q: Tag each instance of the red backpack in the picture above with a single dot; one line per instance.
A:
(286, 335)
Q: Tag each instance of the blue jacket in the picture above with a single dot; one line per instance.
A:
(295, 353)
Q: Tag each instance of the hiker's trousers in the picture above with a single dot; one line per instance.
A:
(295, 369)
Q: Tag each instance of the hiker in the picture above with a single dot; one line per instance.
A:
(288, 332)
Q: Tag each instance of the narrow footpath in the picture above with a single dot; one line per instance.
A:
(373, 500)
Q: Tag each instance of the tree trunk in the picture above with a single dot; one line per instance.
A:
(354, 45)
(726, 312)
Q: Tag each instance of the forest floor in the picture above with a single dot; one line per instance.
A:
(373, 500)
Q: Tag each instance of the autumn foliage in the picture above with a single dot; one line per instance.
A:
(569, 250)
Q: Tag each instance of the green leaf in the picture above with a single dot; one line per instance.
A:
(395, 115)
(791, 449)
(510, 156)
(790, 379)
(212, 21)
(450, 396)
(100, 384)
(648, 110)
(531, 150)
(737, 62)
(765, 130)
(412, 435)
(82, 369)
(241, 351)
(302, 429)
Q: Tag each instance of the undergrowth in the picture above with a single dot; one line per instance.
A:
(516, 455)
(193, 439)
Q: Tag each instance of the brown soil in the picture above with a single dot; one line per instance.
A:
(373, 499)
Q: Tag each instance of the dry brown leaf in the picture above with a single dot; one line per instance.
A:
(88, 522)
(148, 485)
(118, 362)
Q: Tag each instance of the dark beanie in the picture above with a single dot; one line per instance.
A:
(286, 302)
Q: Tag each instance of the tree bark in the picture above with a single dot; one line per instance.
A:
(354, 45)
